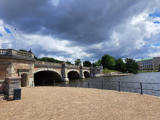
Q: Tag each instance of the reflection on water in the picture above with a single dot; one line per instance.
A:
(150, 83)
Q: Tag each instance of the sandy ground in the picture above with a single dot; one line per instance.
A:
(56, 103)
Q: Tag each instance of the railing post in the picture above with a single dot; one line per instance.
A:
(119, 86)
(141, 88)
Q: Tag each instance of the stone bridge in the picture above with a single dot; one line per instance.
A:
(21, 64)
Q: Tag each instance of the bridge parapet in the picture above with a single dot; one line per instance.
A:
(86, 68)
(47, 64)
(16, 54)
(72, 66)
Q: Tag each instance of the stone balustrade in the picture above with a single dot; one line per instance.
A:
(86, 68)
(5, 52)
(51, 65)
(72, 66)
(46, 64)
(16, 53)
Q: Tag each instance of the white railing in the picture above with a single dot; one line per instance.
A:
(5, 52)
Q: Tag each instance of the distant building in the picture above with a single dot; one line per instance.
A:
(156, 63)
(149, 64)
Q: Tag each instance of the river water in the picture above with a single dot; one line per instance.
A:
(146, 83)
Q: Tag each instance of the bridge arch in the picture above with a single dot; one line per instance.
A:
(73, 75)
(86, 74)
(46, 77)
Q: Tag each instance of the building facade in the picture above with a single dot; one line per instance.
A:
(156, 63)
(145, 64)
(149, 64)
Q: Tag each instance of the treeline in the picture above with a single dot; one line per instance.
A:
(47, 59)
(109, 62)
(126, 66)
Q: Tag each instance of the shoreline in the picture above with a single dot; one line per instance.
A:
(113, 74)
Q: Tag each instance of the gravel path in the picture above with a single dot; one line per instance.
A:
(56, 103)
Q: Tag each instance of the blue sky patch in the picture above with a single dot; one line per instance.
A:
(157, 44)
(7, 30)
(1, 35)
(155, 14)
(156, 22)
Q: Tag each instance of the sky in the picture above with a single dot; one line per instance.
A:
(85, 29)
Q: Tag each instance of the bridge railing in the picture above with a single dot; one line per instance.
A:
(47, 64)
(50, 64)
(86, 68)
(72, 66)
(5, 52)
(16, 53)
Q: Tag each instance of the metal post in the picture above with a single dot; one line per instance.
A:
(141, 88)
(119, 86)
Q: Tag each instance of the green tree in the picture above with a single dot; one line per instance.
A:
(108, 62)
(68, 62)
(77, 62)
(23, 50)
(131, 66)
(120, 65)
(46, 59)
(98, 63)
(87, 64)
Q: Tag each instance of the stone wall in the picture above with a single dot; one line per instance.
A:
(10, 85)
(3, 68)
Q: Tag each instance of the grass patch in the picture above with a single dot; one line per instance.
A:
(109, 71)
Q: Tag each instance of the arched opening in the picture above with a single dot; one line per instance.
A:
(24, 79)
(86, 74)
(46, 78)
(73, 75)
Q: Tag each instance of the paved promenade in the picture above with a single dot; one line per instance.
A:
(55, 103)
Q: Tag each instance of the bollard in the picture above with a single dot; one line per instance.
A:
(17, 94)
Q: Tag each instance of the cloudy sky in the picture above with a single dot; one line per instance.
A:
(85, 29)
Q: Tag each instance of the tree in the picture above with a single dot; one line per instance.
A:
(46, 59)
(131, 66)
(87, 64)
(108, 62)
(35, 57)
(120, 65)
(98, 63)
(68, 62)
(23, 50)
(77, 62)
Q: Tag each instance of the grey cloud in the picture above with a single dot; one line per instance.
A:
(81, 21)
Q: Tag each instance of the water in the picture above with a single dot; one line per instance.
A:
(150, 83)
